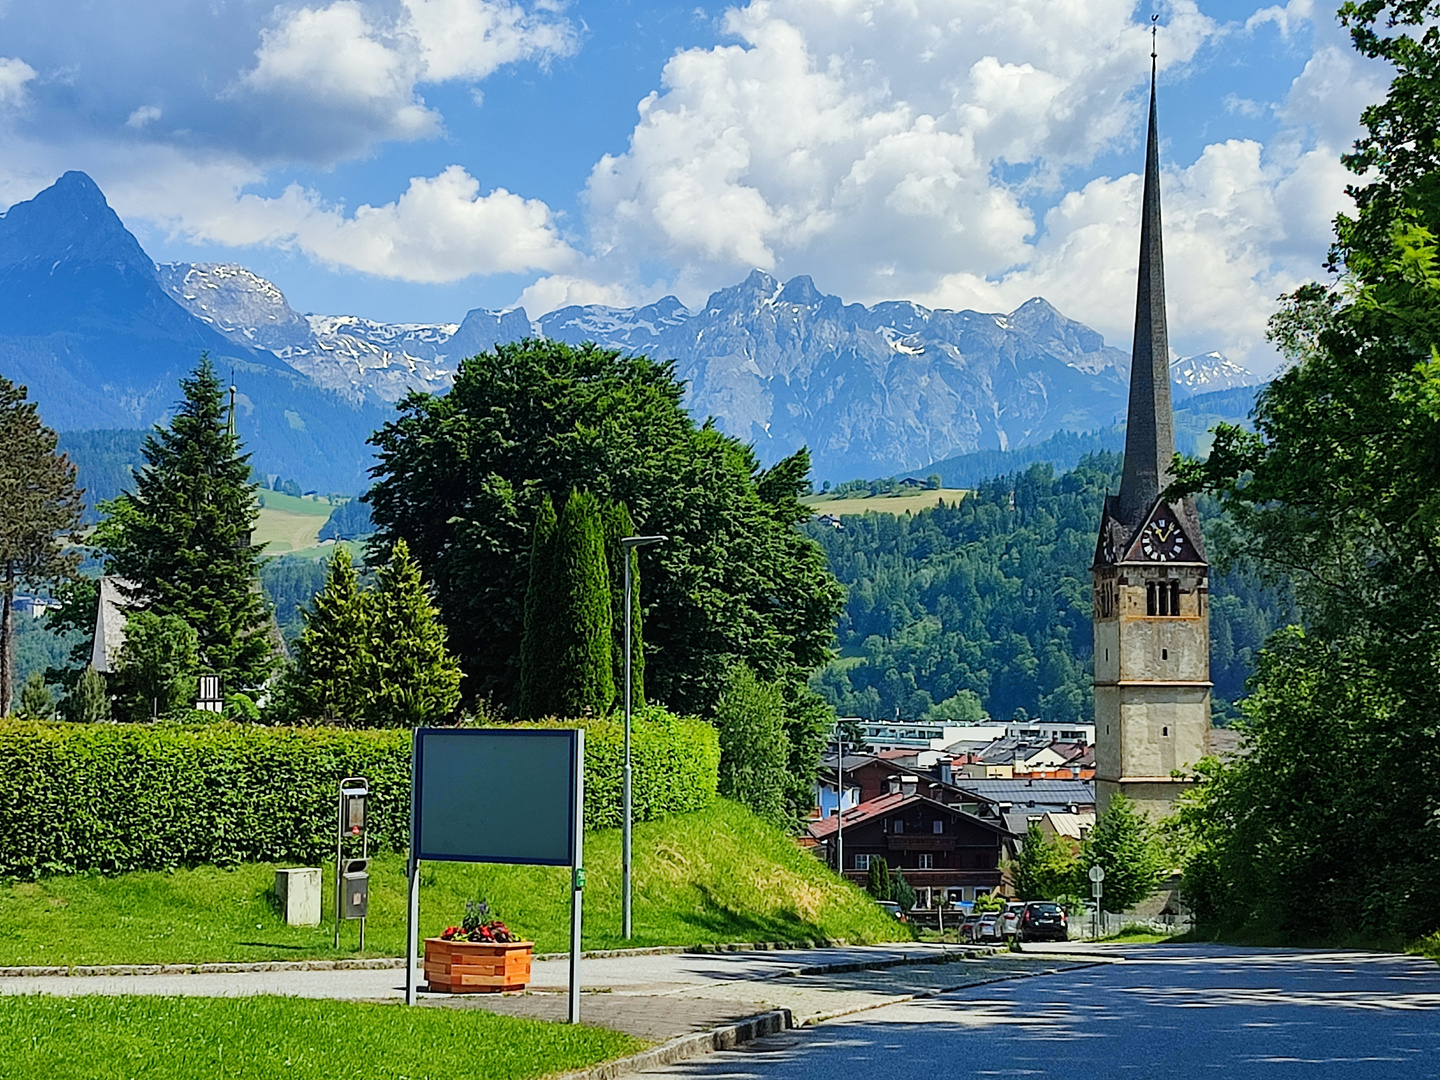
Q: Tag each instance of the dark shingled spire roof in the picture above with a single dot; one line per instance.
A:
(1149, 434)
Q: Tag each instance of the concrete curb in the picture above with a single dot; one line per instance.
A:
(685, 1047)
(384, 963)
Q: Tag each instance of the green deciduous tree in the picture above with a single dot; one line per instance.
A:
(39, 510)
(416, 677)
(183, 538)
(1045, 868)
(332, 680)
(754, 752)
(156, 668)
(618, 524)
(1128, 847)
(462, 478)
(877, 879)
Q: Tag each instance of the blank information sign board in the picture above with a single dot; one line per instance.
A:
(499, 796)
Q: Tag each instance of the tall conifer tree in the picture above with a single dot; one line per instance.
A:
(585, 673)
(183, 543)
(417, 678)
(537, 645)
(332, 680)
(39, 508)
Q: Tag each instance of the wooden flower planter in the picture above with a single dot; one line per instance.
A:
(477, 967)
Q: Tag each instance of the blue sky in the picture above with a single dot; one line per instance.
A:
(407, 160)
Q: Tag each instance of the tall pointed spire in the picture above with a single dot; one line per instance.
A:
(1150, 433)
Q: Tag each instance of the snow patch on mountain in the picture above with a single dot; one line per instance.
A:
(360, 358)
(1191, 375)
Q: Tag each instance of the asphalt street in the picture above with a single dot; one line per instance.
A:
(1167, 1011)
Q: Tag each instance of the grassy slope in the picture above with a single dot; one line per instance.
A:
(713, 876)
(117, 1038)
(288, 523)
(908, 503)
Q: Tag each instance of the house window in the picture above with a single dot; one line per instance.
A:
(927, 862)
(939, 827)
(899, 827)
(862, 862)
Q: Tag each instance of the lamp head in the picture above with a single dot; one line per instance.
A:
(642, 541)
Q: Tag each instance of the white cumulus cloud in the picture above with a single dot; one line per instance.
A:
(470, 39)
(440, 229)
(14, 75)
(901, 148)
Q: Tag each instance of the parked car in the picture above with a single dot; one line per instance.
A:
(893, 908)
(989, 928)
(970, 926)
(1043, 920)
(1010, 919)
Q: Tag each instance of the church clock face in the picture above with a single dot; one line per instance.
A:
(1162, 540)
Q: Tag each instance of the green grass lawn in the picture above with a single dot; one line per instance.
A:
(289, 523)
(717, 875)
(119, 1038)
(907, 501)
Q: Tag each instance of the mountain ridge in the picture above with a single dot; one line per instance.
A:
(872, 390)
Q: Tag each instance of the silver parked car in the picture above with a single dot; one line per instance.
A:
(1010, 919)
(989, 928)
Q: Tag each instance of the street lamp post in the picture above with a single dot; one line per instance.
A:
(627, 545)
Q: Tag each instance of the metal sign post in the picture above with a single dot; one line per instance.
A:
(497, 795)
(1097, 890)
(352, 878)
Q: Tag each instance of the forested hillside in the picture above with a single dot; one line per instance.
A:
(984, 606)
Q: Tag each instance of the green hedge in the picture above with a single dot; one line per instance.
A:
(118, 797)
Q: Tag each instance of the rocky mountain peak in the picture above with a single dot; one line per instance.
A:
(70, 222)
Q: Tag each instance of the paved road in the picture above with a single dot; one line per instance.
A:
(1169, 1011)
(654, 997)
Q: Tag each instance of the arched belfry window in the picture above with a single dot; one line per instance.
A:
(1151, 605)
(1174, 598)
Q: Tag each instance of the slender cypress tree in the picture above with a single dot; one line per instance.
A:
(586, 674)
(877, 879)
(542, 602)
(416, 677)
(617, 524)
(39, 509)
(332, 679)
(183, 539)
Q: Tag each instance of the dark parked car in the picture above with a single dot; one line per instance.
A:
(1043, 920)
(893, 908)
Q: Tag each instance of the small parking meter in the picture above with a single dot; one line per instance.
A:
(352, 879)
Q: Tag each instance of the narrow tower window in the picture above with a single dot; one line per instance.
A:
(1174, 598)
(1150, 608)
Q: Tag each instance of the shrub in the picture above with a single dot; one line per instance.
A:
(119, 797)
(753, 749)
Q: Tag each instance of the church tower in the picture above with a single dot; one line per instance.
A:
(1151, 614)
